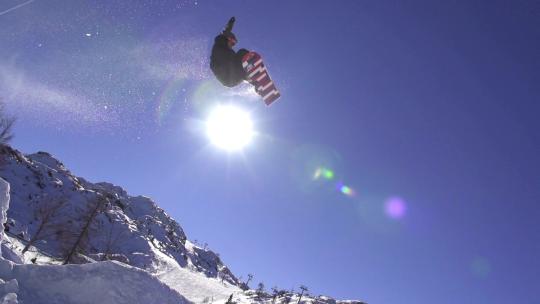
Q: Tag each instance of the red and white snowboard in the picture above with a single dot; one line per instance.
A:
(259, 78)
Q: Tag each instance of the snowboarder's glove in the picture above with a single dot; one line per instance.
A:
(230, 25)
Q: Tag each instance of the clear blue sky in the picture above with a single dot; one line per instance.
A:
(433, 103)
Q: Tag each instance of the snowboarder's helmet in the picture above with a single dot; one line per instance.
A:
(231, 38)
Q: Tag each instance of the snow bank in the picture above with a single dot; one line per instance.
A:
(104, 282)
(8, 289)
(4, 205)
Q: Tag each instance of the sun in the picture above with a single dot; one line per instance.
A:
(229, 128)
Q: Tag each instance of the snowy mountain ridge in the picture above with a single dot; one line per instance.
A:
(134, 229)
(103, 234)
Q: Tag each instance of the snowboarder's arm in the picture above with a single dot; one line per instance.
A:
(229, 26)
(221, 39)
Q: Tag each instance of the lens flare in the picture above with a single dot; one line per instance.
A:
(170, 95)
(395, 207)
(205, 96)
(325, 173)
(347, 191)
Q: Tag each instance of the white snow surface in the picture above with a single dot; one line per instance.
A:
(107, 282)
(193, 285)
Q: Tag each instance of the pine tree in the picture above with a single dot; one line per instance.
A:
(304, 289)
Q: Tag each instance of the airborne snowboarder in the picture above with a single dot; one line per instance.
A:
(224, 61)
(232, 68)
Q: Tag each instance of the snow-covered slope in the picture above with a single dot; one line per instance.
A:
(129, 249)
(105, 282)
(130, 229)
(59, 208)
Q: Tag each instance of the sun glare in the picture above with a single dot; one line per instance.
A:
(229, 128)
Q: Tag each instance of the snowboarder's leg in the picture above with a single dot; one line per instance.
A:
(241, 53)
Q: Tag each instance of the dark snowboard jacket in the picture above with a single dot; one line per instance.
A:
(226, 63)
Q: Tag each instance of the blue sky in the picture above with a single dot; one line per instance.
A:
(430, 104)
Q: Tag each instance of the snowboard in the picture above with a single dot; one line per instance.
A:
(258, 76)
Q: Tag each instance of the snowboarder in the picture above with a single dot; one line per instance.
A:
(224, 61)
(232, 68)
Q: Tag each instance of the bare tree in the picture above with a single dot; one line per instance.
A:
(250, 277)
(6, 134)
(304, 289)
(282, 293)
(288, 296)
(221, 276)
(275, 293)
(44, 213)
(94, 208)
(260, 289)
(6, 126)
(113, 240)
